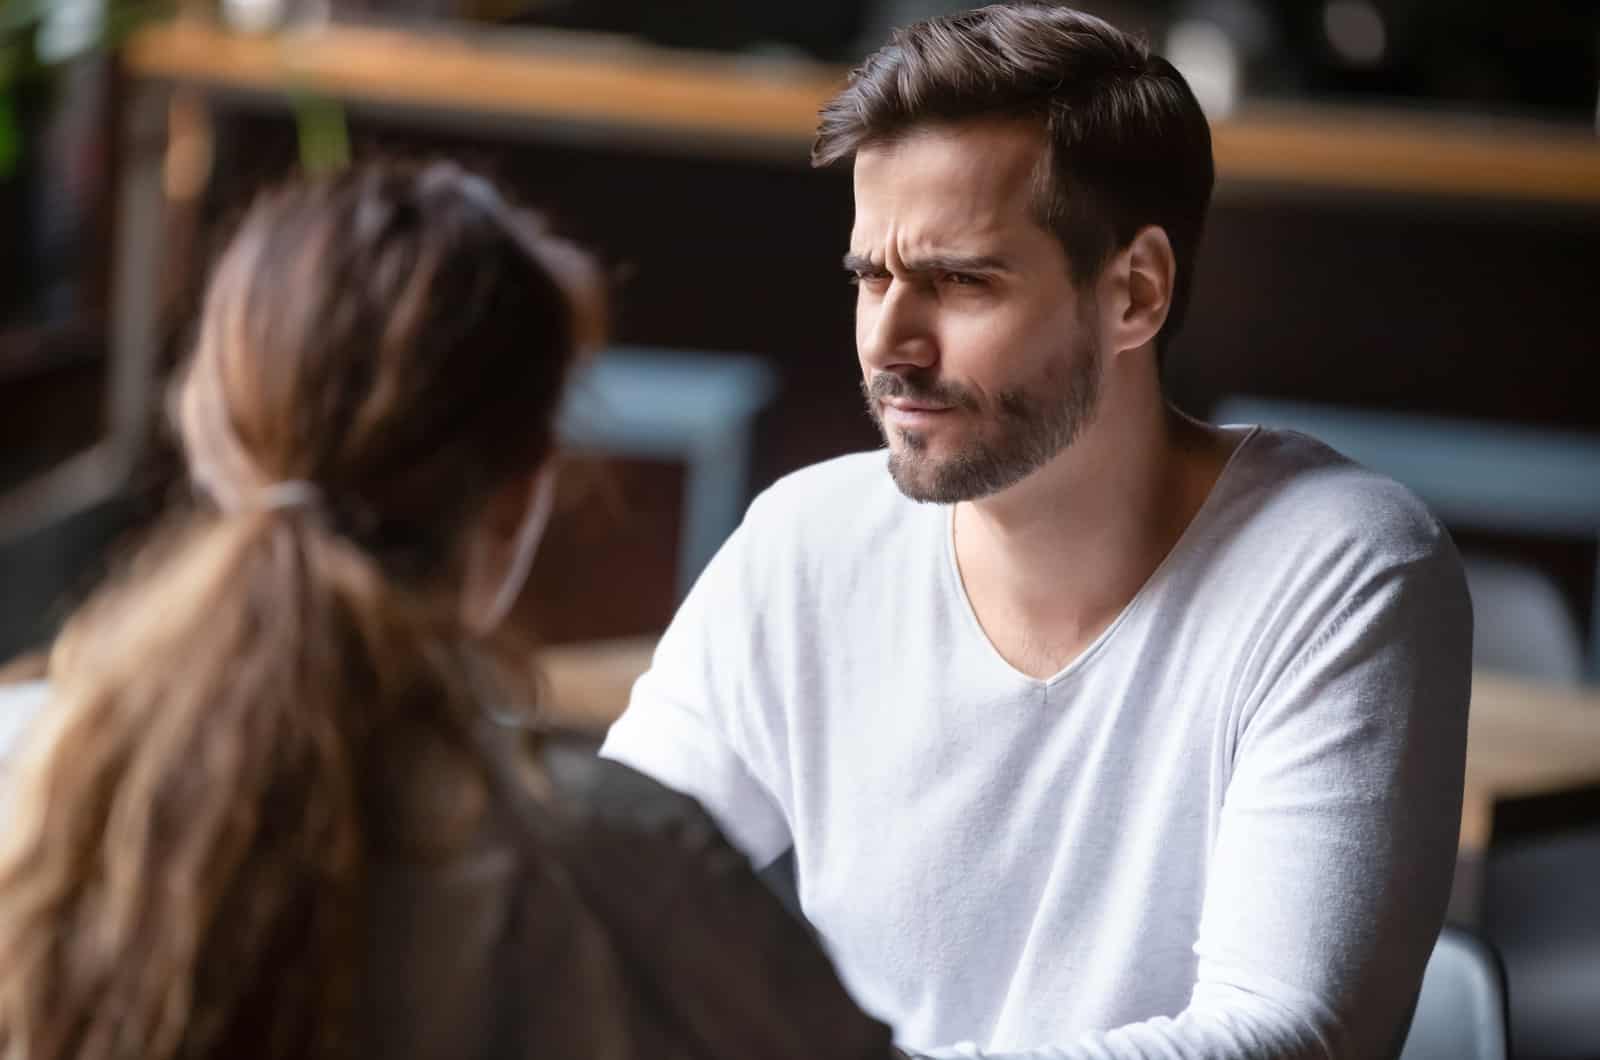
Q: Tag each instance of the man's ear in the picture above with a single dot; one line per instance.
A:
(1142, 276)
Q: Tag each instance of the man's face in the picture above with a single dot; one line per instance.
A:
(979, 357)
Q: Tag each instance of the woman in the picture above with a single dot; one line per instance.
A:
(274, 807)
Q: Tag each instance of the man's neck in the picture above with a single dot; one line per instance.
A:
(1049, 563)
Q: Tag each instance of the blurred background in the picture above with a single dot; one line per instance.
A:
(1403, 257)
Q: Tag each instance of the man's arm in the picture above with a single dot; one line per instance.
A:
(685, 723)
(1331, 867)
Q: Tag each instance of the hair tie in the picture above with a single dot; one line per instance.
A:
(282, 496)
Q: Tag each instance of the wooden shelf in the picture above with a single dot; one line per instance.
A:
(533, 76)
(623, 89)
(1455, 156)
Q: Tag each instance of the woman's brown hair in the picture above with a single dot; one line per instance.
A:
(188, 837)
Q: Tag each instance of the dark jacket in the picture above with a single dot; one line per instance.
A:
(594, 914)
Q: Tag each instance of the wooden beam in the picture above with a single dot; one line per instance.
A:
(1442, 155)
(518, 74)
(623, 87)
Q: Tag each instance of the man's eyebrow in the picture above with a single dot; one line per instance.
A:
(932, 263)
(860, 263)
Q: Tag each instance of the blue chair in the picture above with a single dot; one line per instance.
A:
(1461, 1012)
(696, 408)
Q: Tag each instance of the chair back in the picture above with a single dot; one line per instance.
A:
(1461, 1012)
(1521, 623)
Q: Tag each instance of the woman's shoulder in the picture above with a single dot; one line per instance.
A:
(597, 790)
(728, 965)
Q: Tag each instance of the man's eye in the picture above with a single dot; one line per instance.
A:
(858, 278)
(963, 279)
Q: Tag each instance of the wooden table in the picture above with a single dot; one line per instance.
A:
(590, 682)
(1524, 738)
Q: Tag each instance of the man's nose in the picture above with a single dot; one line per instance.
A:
(894, 332)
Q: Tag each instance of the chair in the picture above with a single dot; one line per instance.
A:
(1461, 1012)
(675, 405)
(1521, 623)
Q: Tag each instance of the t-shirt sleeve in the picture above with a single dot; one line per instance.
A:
(1332, 861)
(688, 715)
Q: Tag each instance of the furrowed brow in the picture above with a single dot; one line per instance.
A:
(931, 264)
(974, 263)
(860, 263)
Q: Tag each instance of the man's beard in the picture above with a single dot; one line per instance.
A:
(1030, 424)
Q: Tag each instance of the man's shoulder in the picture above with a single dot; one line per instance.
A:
(1294, 491)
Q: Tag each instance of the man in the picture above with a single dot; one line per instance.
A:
(1139, 738)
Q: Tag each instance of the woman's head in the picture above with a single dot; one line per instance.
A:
(369, 405)
(397, 338)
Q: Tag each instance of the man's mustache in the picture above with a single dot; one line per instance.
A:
(911, 387)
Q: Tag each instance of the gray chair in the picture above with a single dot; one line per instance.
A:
(1461, 1012)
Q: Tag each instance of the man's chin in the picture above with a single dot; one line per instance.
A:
(950, 478)
(918, 476)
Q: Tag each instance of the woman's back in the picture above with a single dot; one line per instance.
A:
(263, 812)
(669, 944)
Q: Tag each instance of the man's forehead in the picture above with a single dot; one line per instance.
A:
(968, 180)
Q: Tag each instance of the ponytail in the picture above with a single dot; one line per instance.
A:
(189, 839)
(182, 871)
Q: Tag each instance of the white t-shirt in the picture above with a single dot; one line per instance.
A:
(1226, 829)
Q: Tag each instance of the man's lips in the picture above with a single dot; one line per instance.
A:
(903, 405)
(904, 413)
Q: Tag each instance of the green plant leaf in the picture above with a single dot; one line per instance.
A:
(323, 131)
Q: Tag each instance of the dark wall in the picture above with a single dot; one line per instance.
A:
(1473, 309)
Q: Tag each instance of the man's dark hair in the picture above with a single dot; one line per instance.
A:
(1129, 145)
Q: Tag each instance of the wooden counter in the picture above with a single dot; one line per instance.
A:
(623, 89)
